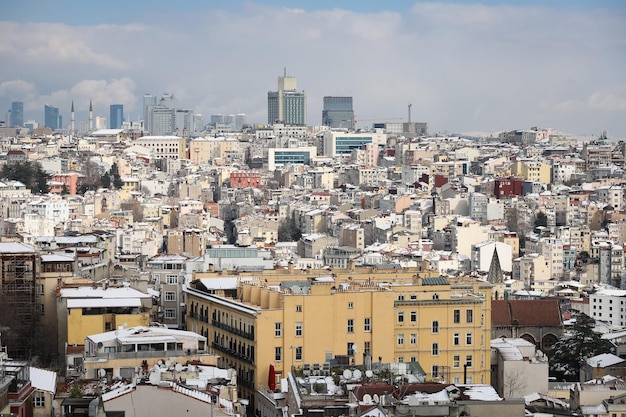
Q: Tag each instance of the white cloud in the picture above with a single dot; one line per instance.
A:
(463, 67)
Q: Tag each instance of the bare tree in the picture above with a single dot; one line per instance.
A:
(514, 384)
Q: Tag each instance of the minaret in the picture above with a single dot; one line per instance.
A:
(495, 275)
(72, 120)
(90, 116)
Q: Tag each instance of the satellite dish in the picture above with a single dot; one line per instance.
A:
(367, 398)
(102, 373)
(168, 363)
(376, 398)
(347, 374)
(369, 373)
(178, 367)
(159, 362)
(55, 404)
(357, 374)
(100, 345)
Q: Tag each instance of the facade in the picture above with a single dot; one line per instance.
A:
(337, 112)
(167, 275)
(52, 118)
(278, 158)
(351, 317)
(163, 121)
(116, 116)
(168, 147)
(518, 368)
(286, 105)
(17, 114)
(336, 143)
(149, 101)
(245, 179)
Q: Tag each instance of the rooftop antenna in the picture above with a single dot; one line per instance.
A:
(410, 112)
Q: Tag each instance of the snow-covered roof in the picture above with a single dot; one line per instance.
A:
(103, 302)
(603, 360)
(481, 392)
(16, 247)
(99, 292)
(144, 334)
(43, 380)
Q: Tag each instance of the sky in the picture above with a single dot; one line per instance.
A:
(463, 66)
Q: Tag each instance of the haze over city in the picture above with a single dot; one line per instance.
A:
(464, 67)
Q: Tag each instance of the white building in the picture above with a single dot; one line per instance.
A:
(482, 254)
(172, 147)
(518, 369)
(608, 305)
(341, 143)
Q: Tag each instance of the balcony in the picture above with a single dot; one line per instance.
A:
(233, 353)
(102, 356)
(233, 330)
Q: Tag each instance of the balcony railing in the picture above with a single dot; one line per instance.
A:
(143, 354)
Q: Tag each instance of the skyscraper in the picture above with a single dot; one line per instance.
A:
(52, 118)
(338, 112)
(116, 116)
(17, 114)
(162, 120)
(286, 105)
(149, 101)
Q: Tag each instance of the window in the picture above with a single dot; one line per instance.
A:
(400, 339)
(298, 308)
(435, 326)
(435, 349)
(456, 361)
(367, 348)
(170, 313)
(457, 316)
(469, 316)
(413, 316)
(456, 339)
(435, 371)
(367, 324)
(170, 296)
(172, 279)
(278, 353)
(413, 338)
(468, 339)
(278, 329)
(350, 325)
(39, 400)
(413, 359)
(298, 353)
(42, 308)
(40, 289)
(435, 296)
(401, 297)
(468, 361)
(298, 329)
(400, 316)
(400, 359)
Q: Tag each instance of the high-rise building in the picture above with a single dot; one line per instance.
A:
(116, 116)
(240, 120)
(17, 114)
(162, 121)
(149, 101)
(217, 118)
(287, 104)
(53, 119)
(338, 112)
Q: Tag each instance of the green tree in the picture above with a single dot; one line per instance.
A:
(76, 392)
(574, 348)
(284, 233)
(105, 180)
(541, 220)
(295, 231)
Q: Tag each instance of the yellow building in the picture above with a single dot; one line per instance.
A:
(532, 170)
(352, 317)
(88, 310)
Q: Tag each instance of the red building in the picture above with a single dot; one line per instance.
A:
(67, 179)
(245, 180)
(510, 186)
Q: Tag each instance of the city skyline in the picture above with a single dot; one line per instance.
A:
(463, 67)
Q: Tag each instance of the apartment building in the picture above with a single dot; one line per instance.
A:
(349, 317)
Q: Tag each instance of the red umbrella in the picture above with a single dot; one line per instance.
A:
(271, 380)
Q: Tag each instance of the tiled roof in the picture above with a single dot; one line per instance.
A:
(525, 313)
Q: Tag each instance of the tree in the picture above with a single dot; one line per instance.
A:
(296, 233)
(515, 383)
(284, 234)
(541, 220)
(105, 180)
(91, 174)
(576, 347)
